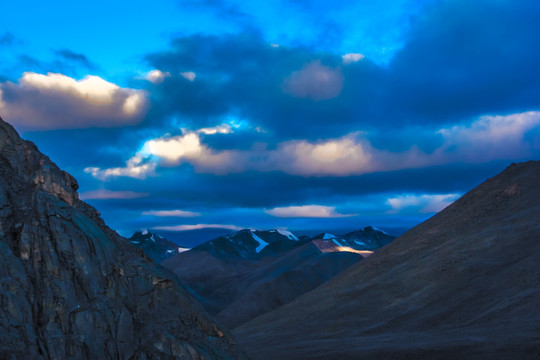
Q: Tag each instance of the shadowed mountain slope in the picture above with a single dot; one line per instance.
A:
(71, 288)
(245, 274)
(463, 284)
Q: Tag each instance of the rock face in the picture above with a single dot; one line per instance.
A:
(71, 288)
(464, 284)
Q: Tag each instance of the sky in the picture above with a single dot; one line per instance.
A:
(181, 116)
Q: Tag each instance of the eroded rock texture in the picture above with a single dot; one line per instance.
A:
(71, 288)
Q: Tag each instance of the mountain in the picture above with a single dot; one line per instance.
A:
(155, 246)
(368, 238)
(71, 288)
(251, 272)
(248, 244)
(465, 284)
(363, 241)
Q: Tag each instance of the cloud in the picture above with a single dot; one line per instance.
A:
(190, 75)
(197, 227)
(314, 81)
(56, 101)
(173, 151)
(220, 129)
(241, 75)
(462, 59)
(104, 194)
(487, 138)
(491, 137)
(171, 213)
(137, 167)
(335, 157)
(352, 58)
(425, 203)
(306, 211)
(74, 57)
(157, 76)
(7, 39)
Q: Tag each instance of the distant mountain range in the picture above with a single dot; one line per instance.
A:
(462, 285)
(244, 274)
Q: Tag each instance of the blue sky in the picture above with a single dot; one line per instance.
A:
(301, 114)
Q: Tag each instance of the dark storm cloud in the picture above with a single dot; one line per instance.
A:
(243, 75)
(179, 189)
(461, 60)
(7, 39)
(75, 58)
(64, 62)
(91, 146)
(466, 58)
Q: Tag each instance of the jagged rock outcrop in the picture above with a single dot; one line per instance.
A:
(71, 288)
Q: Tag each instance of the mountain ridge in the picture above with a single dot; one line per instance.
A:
(238, 282)
(463, 284)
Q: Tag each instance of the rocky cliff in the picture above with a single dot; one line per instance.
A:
(71, 288)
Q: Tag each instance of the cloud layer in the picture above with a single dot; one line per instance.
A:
(254, 121)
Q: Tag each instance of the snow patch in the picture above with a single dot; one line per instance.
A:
(262, 243)
(380, 230)
(360, 243)
(337, 242)
(288, 234)
(328, 236)
(144, 231)
(181, 249)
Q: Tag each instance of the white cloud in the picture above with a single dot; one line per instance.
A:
(306, 211)
(171, 213)
(197, 227)
(491, 137)
(220, 129)
(104, 194)
(173, 151)
(425, 203)
(314, 81)
(337, 157)
(56, 101)
(190, 75)
(352, 58)
(157, 76)
(137, 167)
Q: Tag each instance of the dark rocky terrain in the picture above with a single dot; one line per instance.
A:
(155, 246)
(245, 274)
(71, 288)
(464, 284)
